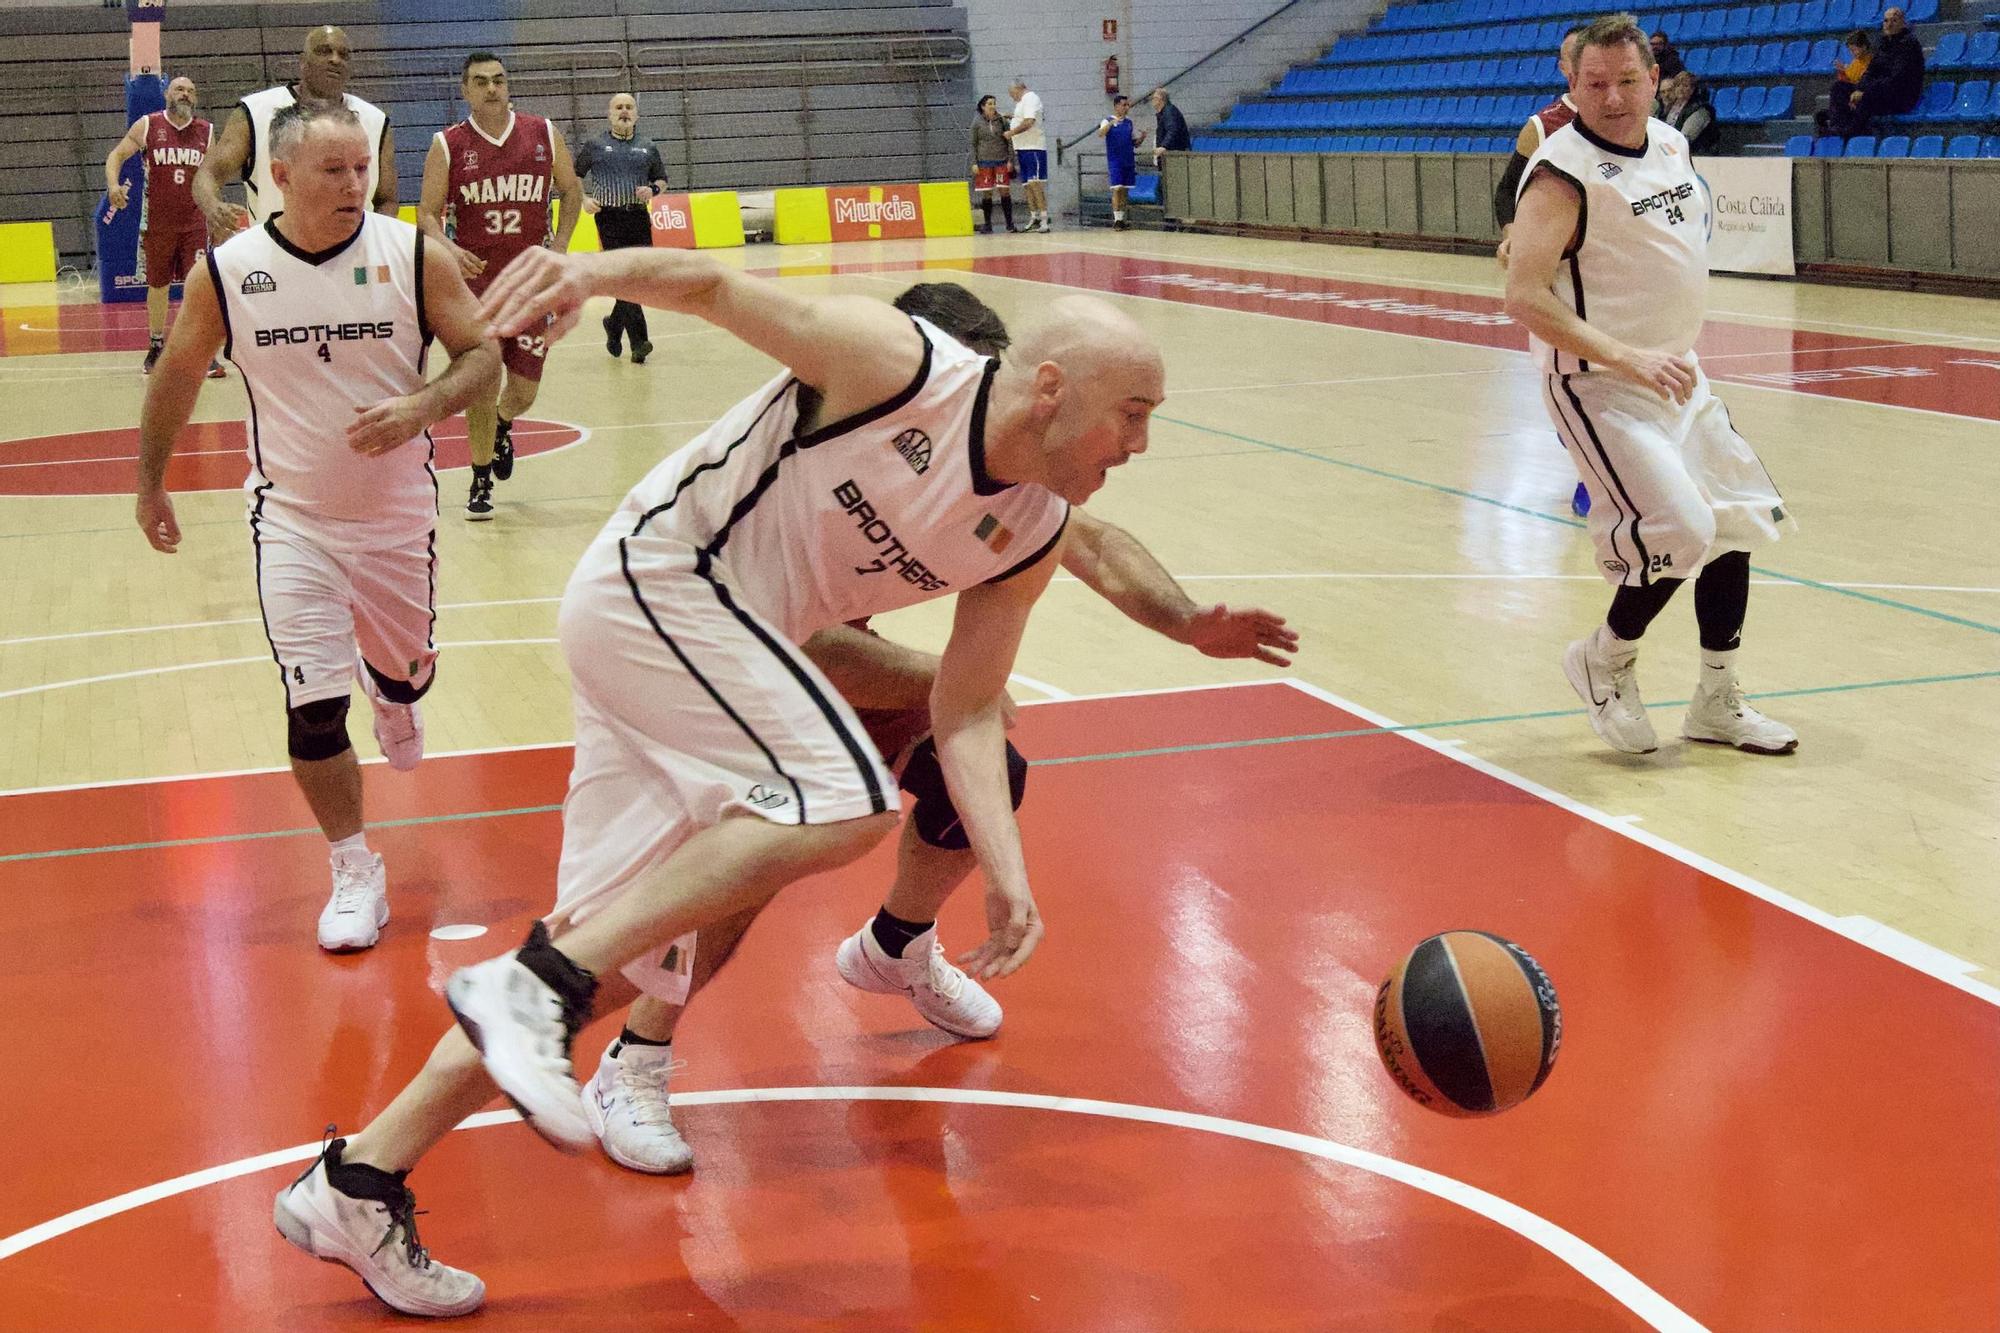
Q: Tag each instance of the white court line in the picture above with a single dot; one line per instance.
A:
(1587, 1260)
(265, 658)
(1054, 694)
(1861, 930)
(1499, 292)
(1320, 576)
(241, 451)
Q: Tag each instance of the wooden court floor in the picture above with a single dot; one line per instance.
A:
(1782, 1023)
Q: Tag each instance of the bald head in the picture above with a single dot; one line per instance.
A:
(323, 65)
(1097, 376)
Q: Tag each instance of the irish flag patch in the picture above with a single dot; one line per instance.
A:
(363, 274)
(993, 533)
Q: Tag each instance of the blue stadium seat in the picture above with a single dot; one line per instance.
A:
(1927, 145)
(1762, 19)
(1990, 146)
(1406, 143)
(1787, 20)
(1372, 144)
(1963, 145)
(1828, 145)
(1861, 145)
(1840, 15)
(1973, 96)
(1724, 103)
(1949, 53)
(1770, 59)
(1715, 25)
(1798, 58)
(1937, 103)
(1799, 145)
(1823, 54)
(1750, 106)
(1921, 11)
(1426, 144)
(1983, 51)
(1146, 190)
(1696, 59)
(1812, 17)
(1896, 145)
(1778, 102)
(1736, 24)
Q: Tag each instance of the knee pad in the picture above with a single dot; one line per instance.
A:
(935, 816)
(317, 730)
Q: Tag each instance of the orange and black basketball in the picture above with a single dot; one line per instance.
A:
(1468, 1024)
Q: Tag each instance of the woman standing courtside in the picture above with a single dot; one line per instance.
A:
(992, 163)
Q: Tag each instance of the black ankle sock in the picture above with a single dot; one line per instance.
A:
(1007, 208)
(480, 471)
(358, 1180)
(576, 985)
(503, 428)
(894, 934)
(627, 1037)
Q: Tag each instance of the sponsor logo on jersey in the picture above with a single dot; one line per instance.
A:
(258, 281)
(1618, 567)
(326, 333)
(541, 152)
(471, 159)
(891, 556)
(1608, 169)
(177, 157)
(521, 187)
(764, 799)
(993, 533)
(915, 447)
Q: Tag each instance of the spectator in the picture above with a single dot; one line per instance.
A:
(1664, 55)
(1893, 83)
(1121, 163)
(1170, 128)
(1684, 106)
(1846, 78)
(992, 163)
(1031, 148)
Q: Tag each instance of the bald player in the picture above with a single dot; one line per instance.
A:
(170, 145)
(715, 763)
(243, 152)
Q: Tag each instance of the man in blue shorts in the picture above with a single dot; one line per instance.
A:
(1031, 150)
(1121, 162)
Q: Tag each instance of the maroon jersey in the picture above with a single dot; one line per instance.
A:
(1542, 124)
(497, 195)
(171, 157)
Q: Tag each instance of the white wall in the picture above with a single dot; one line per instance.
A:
(1058, 46)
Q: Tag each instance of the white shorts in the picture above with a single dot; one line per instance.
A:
(319, 605)
(689, 709)
(1672, 486)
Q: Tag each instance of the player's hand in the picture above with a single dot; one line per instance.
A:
(1505, 252)
(470, 265)
(387, 425)
(155, 512)
(539, 291)
(120, 195)
(226, 219)
(644, 194)
(1014, 928)
(1671, 377)
(1250, 632)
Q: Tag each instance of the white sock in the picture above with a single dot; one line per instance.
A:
(1117, 215)
(351, 849)
(1718, 663)
(1614, 648)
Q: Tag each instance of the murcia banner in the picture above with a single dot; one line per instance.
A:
(1749, 213)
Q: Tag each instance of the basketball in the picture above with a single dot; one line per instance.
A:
(1468, 1024)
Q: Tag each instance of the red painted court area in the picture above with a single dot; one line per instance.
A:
(1765, 1124)
(209, 456)
(1958, 381)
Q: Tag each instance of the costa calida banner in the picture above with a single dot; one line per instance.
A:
(1749, 214)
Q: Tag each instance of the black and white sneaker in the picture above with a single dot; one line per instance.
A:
(479, 502)
(153, 351)
(503, 451)
(523, 1027)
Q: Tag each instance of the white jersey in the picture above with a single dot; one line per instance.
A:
(265, 196)
(315, 336)
(1638, 269)
(890, 507)
(1035, 137)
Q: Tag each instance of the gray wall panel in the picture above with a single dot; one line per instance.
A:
(1308, 202)
(1371, 206)
(1252, 189)
(1437, 195)
(1280, 211)
(1975, 217)
(1226, 165)
(1399, 177)
(1336, 180)
(1853, 212)
(1920, 192)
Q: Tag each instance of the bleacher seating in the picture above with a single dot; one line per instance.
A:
(1460, 75)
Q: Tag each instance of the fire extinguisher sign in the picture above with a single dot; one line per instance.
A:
(1111, 30)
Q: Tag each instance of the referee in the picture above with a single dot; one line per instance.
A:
(621, 171)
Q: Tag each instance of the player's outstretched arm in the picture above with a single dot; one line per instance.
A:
(968, 720)
(223, 164)
(114, 163)
(170, 393)
(1544, 229)
(856, 350)
(1113, 563)
(474, 372)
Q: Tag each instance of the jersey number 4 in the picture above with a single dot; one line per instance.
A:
(324, 354)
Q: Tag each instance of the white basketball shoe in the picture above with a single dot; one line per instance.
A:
(354, 916)
(1610, 688)
(942, 993)
(1720, 715)
(399, 728)
(377, 1238)
(626, 1105)
(523, 1029)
